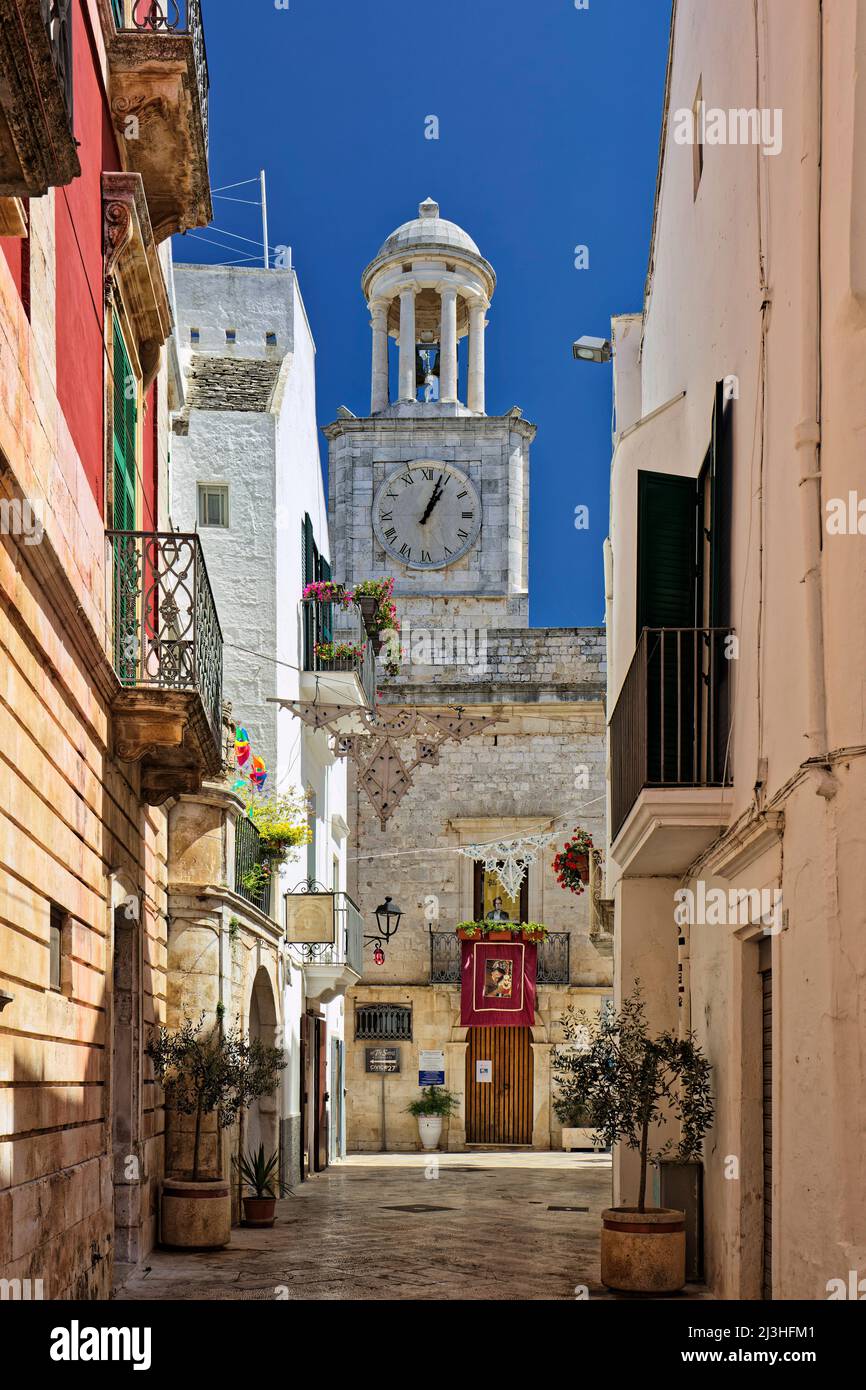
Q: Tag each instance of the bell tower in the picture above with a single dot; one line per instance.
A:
(428, 486)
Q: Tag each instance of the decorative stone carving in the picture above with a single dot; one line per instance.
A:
(37, 144)
(132, 259)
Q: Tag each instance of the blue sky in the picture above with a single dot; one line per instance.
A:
(549, 125)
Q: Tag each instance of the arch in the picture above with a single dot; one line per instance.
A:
(263, 1124)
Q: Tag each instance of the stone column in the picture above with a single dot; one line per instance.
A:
(379, 397)
(477, 324)
(408, 383)
(448, 346)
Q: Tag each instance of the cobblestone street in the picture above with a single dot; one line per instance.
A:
(491, 1226)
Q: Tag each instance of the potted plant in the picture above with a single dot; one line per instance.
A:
(261, 1175)
(632, 1081)
(434, 1105)
(470, 931)
(219, 1072)
(281, 820)
(532, 931)
(326, 591)
(578, 1130)
(571, 865)
(375, 598)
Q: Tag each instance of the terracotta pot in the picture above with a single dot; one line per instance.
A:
(467, 936)
(259, 1211)
(196, 1215)
(500, 936)
(643, 1252)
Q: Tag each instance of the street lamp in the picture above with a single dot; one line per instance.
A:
(388, 916)
(588, 349)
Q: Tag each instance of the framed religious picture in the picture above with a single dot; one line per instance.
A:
(498, 978)
(311, 918)
(493, 904)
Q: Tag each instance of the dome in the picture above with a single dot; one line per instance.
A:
(428, 229)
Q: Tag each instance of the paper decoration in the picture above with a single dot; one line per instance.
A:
(242, 746)
(259, 773)
(509, 860)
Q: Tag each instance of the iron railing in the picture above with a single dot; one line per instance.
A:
(331, 626)
(553, 958)
(249, 856)
(57, 17)
(444, 958)
(166, 633)
(671, 725)
(347, 948)
(383, 1022)
(171, 17)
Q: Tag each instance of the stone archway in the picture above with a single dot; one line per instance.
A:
(262, 1125)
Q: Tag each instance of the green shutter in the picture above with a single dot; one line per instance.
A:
(667, 597)
(327, 609)
(125, 418)
(666, 551)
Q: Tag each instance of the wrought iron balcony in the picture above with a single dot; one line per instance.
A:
(672, 721)
(159, 102)
(330, 967)
(553, 958)
(249, 856)
(339, 659)
(37, 139)
(168, 656)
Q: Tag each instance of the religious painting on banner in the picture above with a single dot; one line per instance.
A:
(498, 984)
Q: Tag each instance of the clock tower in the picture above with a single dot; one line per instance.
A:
(428, 487)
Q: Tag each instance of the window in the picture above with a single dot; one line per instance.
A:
(698, 136)
(124, 431)
(55, 941)
(194, 336)
(231, 335)
(213, 504)
(383, 1022)
(270, 339)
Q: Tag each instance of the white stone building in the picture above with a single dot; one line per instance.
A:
(246, 474)
(436, 493)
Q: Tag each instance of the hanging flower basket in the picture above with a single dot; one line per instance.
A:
(326, 591)
(571, 865)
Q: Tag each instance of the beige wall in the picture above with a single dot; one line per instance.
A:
(703, 322)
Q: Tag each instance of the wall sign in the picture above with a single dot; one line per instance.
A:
(311, 918)
(483, 1071)
(384, 1061)
(431, 1069)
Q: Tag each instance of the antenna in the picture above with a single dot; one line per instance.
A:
(265, 221)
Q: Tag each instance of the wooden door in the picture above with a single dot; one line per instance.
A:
(320, 1149)
(767, 1111)
(306, 1092)
(499, 1111)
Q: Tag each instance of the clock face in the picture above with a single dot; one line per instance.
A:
(427, 514)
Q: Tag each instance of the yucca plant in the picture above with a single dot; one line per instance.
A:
(260, 1173)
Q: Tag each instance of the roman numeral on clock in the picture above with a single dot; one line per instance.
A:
(387, 516)
(467, 516)
(391, 533)
(463, 535)
(425, 557)
(428, 474)
(407, 551)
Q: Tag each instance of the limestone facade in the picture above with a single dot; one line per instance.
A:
(465, 643)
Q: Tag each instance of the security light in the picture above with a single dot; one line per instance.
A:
(588, 349)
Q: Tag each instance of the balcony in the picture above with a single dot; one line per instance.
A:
(554, 957)
(252, 865)
(159, 105)
(670, 750)
(339, 660)
(168, 657)
(37, 137)
(330, 966)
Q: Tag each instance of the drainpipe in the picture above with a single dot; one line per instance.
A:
(808, 432)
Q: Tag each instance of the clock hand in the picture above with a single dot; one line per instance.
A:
(437, 493)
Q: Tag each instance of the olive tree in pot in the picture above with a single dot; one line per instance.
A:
(434, 1105)
(631, 1081)
(215, 1072)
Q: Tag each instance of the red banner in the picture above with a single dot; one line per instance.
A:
(498, 984)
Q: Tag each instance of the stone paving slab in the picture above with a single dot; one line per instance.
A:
(343, 1235)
